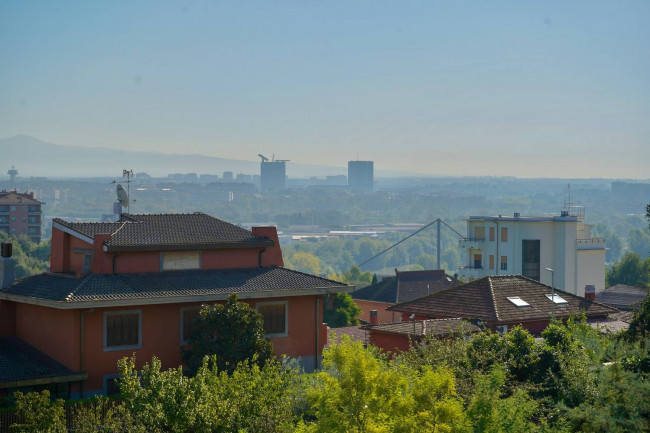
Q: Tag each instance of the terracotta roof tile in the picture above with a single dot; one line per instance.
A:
(420, 328)
(168, 232)
(487, 299)
(170, 284)
(21, 362)
(406, 286)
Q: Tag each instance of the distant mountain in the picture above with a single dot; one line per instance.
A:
(33, 157)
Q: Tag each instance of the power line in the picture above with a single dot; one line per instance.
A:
(408, 237)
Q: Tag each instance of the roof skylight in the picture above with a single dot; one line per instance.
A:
(557, 299)
(518, 301)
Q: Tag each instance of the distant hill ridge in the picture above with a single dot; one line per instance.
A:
(33, 157)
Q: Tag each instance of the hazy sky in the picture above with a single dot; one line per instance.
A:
(521, 88)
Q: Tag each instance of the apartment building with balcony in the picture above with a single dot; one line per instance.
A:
(500, 245)
(20, 214)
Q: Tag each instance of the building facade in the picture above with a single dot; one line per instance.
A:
(361, 176)
(528, 245)
(273, 175)
(135, 285)
(21, 214)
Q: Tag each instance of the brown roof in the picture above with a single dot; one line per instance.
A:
(356, 333)
(158, 232)
(420, 328)
(17, 197)
(406, 286)
(166, 287)
(623, 297)
(487, 299)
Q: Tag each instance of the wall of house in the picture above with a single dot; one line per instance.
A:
(52, 331)
(161, 336)
(390, 342)
(272, 256)
(7, 318)
(590, 270)
(383, 316)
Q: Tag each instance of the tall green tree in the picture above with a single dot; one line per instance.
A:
(233, 332)
(630, 270)
(342, 312)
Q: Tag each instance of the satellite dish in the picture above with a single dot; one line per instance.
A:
(122, 196)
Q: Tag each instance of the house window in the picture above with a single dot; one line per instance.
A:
(478, 261)
(184, 260)
(24, 219)
(479, 233)
(188, 315)
(504, 263)
(504, 234)
(122, 330)
(276, 318)
(13, 208)
(110, 384)
(491, 234)
(13, 219)
(491, 261)
(88, 261)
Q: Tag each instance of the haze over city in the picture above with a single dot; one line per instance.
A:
(552, 89)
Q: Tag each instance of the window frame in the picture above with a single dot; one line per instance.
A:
(183, 310)
(504, 263)
(286, 317)
(504, 234)
(128, 346)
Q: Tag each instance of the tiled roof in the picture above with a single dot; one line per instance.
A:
(420, 328)
(22, 364)
(12, 197)
(356, 333)
(486, 299)
(166, 286)
(623, 297)
(406, 286)
(168, 232)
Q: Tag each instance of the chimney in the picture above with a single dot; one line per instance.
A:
(7, 265)
(373, 317)
(456, 275)
(590, 292)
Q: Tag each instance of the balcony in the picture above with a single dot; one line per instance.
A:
(590, 244)
(471, 272)
(35, 211)
(474, 243)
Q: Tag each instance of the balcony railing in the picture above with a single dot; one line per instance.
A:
(471, 271)
(590, 244)
(471, 242)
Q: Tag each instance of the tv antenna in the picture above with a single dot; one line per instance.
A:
(123, 194)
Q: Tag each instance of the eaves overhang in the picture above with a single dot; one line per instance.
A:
(72, 232)
(151, 300)
(262, 243)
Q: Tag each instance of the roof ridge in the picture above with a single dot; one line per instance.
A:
(303, 273)
(494, 302)
(83, 282)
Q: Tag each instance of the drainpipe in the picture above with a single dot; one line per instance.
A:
(497, 260)
(316, 364)
(82, 346)
(115, 261)
(259, 258)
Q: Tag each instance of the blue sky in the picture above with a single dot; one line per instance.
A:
(516, 88)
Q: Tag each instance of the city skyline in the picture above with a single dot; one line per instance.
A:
(510, 89)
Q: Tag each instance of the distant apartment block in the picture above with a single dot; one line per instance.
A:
(498, 245)
(227, 176)
(361, 176)
(20, 214)
(273, 175)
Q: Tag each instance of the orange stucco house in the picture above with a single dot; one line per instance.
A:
(134, 286)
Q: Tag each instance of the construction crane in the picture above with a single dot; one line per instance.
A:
(264, 158)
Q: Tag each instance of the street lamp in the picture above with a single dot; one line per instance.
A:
(552, 291)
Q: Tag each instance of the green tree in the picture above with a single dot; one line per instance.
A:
(358, 391)
(39, 413)
(343, 311)
(630, 270)
(491, 413)
(233, 332)
(639, 242)
(639, 329)
(305, 262)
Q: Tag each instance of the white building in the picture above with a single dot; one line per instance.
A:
(528, 245)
